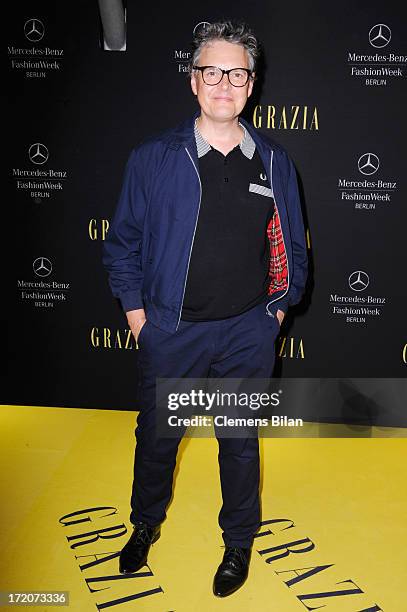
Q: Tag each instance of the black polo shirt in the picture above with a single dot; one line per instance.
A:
(229, 266)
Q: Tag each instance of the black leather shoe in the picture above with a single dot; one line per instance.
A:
(134, 554)
(232, 572)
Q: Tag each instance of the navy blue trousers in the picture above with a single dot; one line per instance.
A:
(237, 347)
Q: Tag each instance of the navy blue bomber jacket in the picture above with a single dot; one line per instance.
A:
(149, 242)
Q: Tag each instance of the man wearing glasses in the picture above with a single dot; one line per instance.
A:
(206, 252)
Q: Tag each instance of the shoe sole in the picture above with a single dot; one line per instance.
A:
(229, 593)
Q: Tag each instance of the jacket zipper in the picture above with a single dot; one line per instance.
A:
(193, 236)
(282, 233)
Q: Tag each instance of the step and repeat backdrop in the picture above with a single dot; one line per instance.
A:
(88, 81)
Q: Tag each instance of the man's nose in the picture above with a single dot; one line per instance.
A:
(224, 82)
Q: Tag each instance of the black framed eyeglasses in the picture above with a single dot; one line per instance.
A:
(212, 75)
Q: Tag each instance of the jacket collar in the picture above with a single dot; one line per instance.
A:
(183, 135)
(247, 144)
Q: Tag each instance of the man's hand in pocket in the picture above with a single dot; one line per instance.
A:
(136, 319)
(280, 314)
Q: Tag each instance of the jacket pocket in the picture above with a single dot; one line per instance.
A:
(140, 337)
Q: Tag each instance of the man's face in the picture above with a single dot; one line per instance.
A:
(221, 102)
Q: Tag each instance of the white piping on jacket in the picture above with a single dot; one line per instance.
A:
(193, 236)
(282, 233)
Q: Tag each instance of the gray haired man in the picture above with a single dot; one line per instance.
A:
(206, 252)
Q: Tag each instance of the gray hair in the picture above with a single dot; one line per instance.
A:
(230, 31)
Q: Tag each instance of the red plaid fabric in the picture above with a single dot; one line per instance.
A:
(278, 271)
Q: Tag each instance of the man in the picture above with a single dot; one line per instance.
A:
(206, 252)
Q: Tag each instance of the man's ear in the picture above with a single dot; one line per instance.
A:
(251, 83)
(193, 83)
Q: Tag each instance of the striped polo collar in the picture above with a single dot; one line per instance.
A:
(247, 144)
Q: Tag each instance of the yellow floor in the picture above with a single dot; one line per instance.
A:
(347, 496)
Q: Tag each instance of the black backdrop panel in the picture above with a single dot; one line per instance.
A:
(332, 95)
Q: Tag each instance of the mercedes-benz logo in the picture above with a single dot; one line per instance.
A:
(368, 163)
(200, 26)
(380, 35)
(34, 30)
(38, 153)
(42, 266)
(358, 280)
